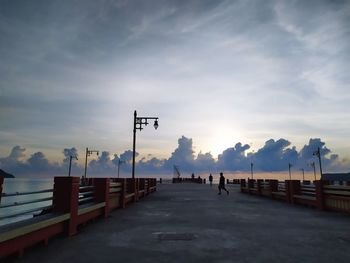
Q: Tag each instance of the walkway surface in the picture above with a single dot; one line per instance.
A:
(191, 223)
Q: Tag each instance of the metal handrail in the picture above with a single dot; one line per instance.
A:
(26, 193)
(26, 212)
(27, 202)
(85, 199)
(86, 193)
(86, 187)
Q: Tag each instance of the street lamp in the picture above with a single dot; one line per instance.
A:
(318, 154)
(138, 122)
(88, 153)
(314, 167)
(303, 171)
(119, 163)
(290, 174)
(70, 163)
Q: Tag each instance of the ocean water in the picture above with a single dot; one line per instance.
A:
(13, 185)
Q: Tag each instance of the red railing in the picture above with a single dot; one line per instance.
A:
(319, 194)
(73, 203)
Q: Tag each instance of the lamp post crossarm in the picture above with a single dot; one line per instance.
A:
(139, 121)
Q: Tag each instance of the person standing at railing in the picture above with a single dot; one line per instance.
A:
(222, 184)
(210, 180)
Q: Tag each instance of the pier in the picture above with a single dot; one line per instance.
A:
(191, 223)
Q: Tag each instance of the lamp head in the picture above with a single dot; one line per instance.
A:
(156, 124)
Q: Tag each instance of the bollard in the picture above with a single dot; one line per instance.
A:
(66, 199)
(102, 193)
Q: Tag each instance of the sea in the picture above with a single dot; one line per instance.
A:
(13, 185)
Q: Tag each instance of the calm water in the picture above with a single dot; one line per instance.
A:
(23, 185)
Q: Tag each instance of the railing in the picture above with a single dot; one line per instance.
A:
(197, 180)
(71, 204)
(233, 181)
(318, 194)
(86, 194)
(10, 200)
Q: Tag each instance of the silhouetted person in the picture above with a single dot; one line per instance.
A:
(211, 180)
(192, 176)
(222, 184)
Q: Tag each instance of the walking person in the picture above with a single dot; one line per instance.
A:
(211, 180)
(222, 184)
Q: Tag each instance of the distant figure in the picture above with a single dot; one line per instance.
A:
(222, 184)
(192, 176)
(211, 180)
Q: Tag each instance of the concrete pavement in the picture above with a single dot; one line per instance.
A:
(191, 223)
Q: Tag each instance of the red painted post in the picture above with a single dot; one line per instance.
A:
(155, 184)
(287, 187)
(320, 199)
(102, 193)
(136, 189)
(243, 185)
(123, 192)
(273, 186)
(293, 189)
(258, 185)
(66, 199)
(1, 183)
(250, 184)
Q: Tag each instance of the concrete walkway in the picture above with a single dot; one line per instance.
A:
(191, 223)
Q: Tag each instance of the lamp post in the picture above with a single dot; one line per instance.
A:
(290, 174)
(303, 171)
(251, 170)
(119, 163)
(318, 154)
(88, 153)
(314, 167)
(70, 163)
(138, 123)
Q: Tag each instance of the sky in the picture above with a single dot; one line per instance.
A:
(227, 79)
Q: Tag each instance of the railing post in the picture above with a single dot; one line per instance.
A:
(1, 183)
(122, 199)
(320, 202)
(102, 193)
(250, 185)
(293, 189)
(288, 190)
(258, 185)
(66, 199)
(136, 189)
(273, 185)
(243, 185)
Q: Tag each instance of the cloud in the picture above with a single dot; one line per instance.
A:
(234, 158)
(274, 155)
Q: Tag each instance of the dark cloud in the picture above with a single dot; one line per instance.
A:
(234, 158)
(273, 156)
